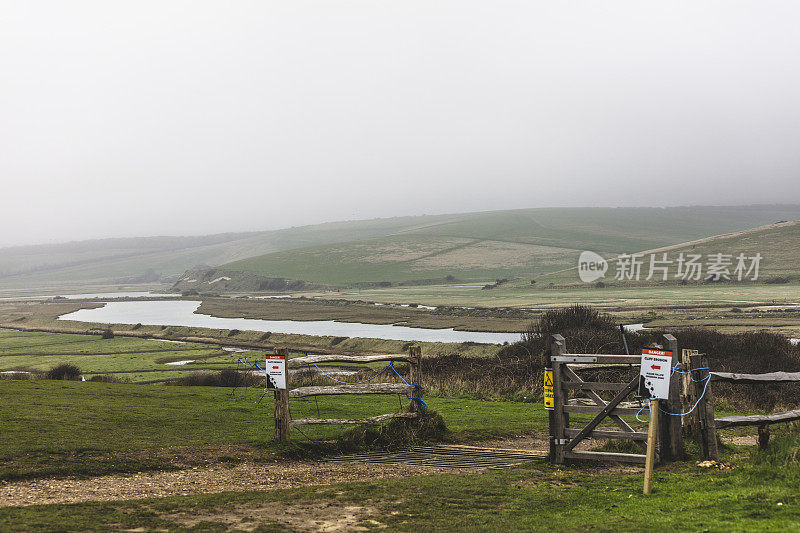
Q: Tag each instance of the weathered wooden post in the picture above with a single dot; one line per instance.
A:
(558, 422)
(705, 416)
(650, 457)
(282, 415)
(416, 377)
(690, 362)
(669, 427)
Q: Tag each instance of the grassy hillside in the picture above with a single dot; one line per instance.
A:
(480, 246)
(475, 246)
(116, 261)
(778, 244)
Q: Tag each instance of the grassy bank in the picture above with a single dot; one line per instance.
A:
(496, 320)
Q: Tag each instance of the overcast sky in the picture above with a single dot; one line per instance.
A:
(193, 117)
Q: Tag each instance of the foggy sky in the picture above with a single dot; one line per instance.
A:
(193, 117)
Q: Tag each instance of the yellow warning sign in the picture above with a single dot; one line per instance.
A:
(549, 400)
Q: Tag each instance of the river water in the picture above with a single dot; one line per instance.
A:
(182, 313)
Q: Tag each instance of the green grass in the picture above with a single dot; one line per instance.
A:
(128, 358)
(505, 243)
(86, 427)
(538, 497)
(610, 297)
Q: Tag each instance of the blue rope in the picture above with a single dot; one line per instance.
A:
(707, 379)
(419, 387)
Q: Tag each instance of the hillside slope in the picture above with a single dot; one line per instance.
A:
(498, 244)
(778, 244)
(114, 261)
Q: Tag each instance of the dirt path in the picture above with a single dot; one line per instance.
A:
(198, 480)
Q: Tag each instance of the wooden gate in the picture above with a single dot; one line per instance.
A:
(564, 439)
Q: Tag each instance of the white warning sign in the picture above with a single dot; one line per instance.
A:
(276, 371)
(655, 374)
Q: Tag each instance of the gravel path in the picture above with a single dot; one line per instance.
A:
(198, 480)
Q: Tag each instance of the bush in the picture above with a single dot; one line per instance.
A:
(107, 378)
(107, 334)
(64, 371)
(224, 378)
(776, 280)
(397, 433)
(519, 366)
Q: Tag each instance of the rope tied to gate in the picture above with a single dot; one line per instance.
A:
(706, 379)
(246, 364)
(416, 385)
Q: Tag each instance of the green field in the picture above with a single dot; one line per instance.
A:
(128, 359)
(88, 429)
(525, 243)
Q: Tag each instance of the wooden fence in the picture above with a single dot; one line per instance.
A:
(761, 421)
(283, 418)
(564, 439)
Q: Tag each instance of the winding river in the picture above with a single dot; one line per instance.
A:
(183, 313)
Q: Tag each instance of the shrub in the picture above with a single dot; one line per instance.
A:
(224, 378)
(776, 280)
(107, 334)
(397, 433)
(64, 371)
(106, 378)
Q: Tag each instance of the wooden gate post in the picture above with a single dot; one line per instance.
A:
(705, 416)
(282, 414)
(690, 423)
(416, 376)
(558, 421)
(669, 432)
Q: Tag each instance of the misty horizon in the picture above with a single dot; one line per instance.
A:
(259, 231)
(194, 118)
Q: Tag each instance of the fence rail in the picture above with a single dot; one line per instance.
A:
(412, 388)
(756, 420)
(761, 421)
(370, 388)
(769, 377)
(370, 420)
(298, 362)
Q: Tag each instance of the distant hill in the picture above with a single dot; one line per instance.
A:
(778, 244)
(499, 244)
(120, 261)
(468, 246)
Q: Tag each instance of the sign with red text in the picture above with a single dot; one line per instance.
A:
(276, 371)
(654, 374)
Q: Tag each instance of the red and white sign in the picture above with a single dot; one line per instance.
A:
(275, 371)
(655, 374)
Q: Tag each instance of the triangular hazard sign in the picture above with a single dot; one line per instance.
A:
(548, 379)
